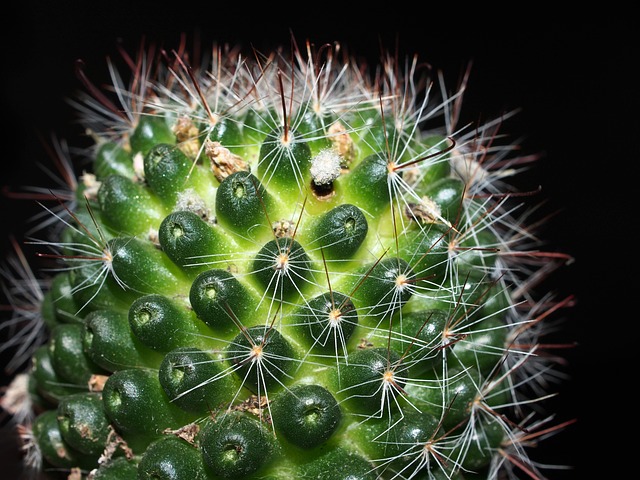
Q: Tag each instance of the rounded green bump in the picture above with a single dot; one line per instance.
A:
(162, 323)
(83, 423)
(310, 126)
(419, 337)
(367, 186)
(374, 133)
(399, 440)
(477, 252)
(190, 242)
(140, 267)
(68, 357)
(150, 131)
(138, 407)
(118, 468)
(382, 288)
(111, 159)
(236, 445)
(450, 398)
(243, 204)
(171, 458)
(326, 322)
(166, 171)
(447, 194)
(306, 415)
(128, 207)
(338, 463)
(257, 123)
(282, 268)
(195, 380)
(110, 343)
(228, 132)
(47, 382)
(220, 299)
(62, 296)
(368, 375)
(262, 358)
(54, 450)
(426, 249)
(93, 288)
(436, 164)
(285, 158)
(484, 345)
(339, 232)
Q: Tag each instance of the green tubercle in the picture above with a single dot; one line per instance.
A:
(149, 131)
(193, 243)
(140, 268)
(195, 380)
(110, 343)
(83, 423)
(171, 458)
(237, 445)
(284, 164)
(163, 323)
(68, 358)
(306, 415)
(54, 450)
(222, 301)
(137, 406)
(128, 207)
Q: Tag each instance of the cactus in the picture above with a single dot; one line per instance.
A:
(283, 266)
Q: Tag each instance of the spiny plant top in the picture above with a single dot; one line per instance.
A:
(283, 266)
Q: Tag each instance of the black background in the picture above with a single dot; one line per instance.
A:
(572, 76)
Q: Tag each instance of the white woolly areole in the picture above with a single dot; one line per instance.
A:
(138, 165)
(325, 167)
(189, 199)
(16, 399)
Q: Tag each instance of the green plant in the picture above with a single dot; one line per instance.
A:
(284, 267)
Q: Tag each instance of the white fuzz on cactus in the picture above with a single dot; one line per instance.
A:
(283, 266)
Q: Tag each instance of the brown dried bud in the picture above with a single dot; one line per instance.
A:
(223, 162)
(187, 136)
(342, 143)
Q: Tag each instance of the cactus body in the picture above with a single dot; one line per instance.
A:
(285, 269)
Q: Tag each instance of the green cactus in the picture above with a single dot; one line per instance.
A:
(283, 267)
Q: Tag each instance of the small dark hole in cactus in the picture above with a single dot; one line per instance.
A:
(324, 191)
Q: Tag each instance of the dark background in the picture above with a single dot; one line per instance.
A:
(570, 74)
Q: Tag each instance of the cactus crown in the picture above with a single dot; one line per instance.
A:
(282, 265)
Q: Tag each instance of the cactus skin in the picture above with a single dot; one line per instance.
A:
(284, 268)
